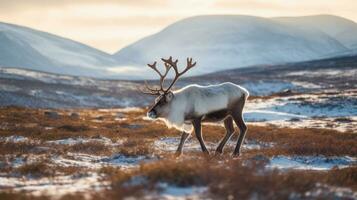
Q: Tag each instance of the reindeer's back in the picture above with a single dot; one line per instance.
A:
(206, 99)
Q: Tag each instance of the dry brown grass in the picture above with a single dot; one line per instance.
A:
(246, 182)
(234, 181)
(21, 196)
(181, 173)
(74, 128)
(306, 141)
(223, 175)
(92, 147)
(37, 169)
(135, 147)
(231, 178)
(16, 148)
(44, 168)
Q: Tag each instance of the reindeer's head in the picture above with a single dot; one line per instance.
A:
(161, 106)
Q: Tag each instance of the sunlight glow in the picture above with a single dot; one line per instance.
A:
(110, 25)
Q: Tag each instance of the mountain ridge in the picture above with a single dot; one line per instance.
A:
(39, 50)
(243, 42)
(217, 42)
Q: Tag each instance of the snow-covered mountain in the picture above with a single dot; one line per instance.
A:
(217, 43)
(343, 30)
(233, 41)
(36, 50)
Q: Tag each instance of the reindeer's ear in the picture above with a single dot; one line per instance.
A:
(169, 96)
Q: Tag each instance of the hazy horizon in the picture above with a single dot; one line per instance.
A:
(111, 25)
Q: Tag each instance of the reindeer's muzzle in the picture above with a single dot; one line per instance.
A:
(152, 114)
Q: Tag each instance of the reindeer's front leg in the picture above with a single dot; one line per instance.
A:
(184, 137)
(197, 127)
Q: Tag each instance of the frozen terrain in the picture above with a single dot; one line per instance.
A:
(75, 137)
(39, 89)
(331, 110)
(316, 94)
(89, 153)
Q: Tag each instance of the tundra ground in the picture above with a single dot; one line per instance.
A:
(119, 153)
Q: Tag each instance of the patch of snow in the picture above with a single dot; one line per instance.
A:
(327, 192)
(321, 123)
(252, 144)
(311, 162)
(73, 141)
(20, 160)
(123, 110)
(306, 85)
(170, 144)
(305, 110)
(324, 72)
(78, 160)
(266, 88)
(328, 105)
(56, 186)
(172, 192)
(95, 162)
(266, 115)
(120, 119)
(125, 162)
(14, 139)
(9, 88)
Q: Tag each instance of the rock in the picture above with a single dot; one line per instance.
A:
(3, 164)
(52, 114)
(261, 158)
(100, 118)
(132, 126)
(286, 92)
(39, 150)
(30, 125)
(343, 120)
(120, 115)
(294, 119)
(96, 137)
(75, 116)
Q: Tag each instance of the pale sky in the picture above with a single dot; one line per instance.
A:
(112, 24)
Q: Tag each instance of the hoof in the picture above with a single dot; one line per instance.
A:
(178, 154)
(218, 153)
(206, 152)
(236, 155)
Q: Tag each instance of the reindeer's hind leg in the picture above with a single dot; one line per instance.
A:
(184, 137)
(228, 124)
(238, 119)
(197, 127)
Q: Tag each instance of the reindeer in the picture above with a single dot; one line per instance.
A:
(185, 109)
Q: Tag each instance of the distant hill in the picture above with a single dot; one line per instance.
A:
(36, 50)
(341, 29)
(217, 43)
(232, 41)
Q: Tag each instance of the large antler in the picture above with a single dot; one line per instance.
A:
(169, 63)
(160, 90)
(173, 64)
